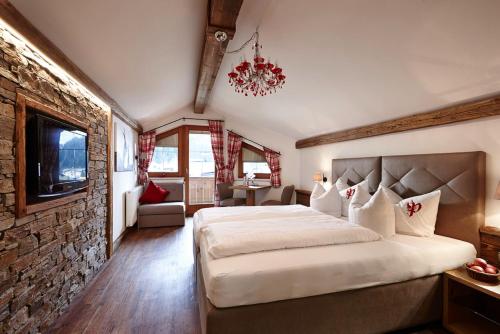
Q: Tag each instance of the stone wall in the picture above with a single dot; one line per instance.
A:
(47, 258)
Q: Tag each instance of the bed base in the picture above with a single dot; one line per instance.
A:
(376, 309)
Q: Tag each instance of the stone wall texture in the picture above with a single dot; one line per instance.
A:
(48, 257)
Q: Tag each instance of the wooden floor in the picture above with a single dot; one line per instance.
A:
(147, 287)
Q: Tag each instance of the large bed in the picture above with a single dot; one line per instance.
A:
(366, 287)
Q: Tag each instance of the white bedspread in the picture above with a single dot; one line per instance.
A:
(301, 272)
(252, 236)
(208, 216)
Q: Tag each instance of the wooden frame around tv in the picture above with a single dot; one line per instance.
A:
(22, 208)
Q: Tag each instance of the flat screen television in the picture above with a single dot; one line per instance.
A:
(56, 157)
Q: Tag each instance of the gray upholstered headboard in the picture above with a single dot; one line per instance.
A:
(459, 176)
(356, 170)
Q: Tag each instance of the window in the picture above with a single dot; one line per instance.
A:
(166, 160)
(251, 159)
(201, 159)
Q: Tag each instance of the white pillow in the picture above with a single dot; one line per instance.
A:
(416, 215)
(341, 185)
(347, 195)
(326, 201)
(374, 212)
(360, 198)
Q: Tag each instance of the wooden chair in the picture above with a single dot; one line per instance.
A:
(286, 197)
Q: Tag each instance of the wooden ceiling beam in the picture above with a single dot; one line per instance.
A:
(16, 20)
(222, 15)
(459, 113)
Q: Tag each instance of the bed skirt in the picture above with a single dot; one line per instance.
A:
(376, 309)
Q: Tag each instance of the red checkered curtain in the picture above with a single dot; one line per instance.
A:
(146, 148)
(217, 139)
(233, 149)
(273, 161)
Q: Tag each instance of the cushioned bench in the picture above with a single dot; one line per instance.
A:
(169, 213)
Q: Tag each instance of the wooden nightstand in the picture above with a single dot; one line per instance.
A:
(303, 197)
(490, 244)
(470, 306)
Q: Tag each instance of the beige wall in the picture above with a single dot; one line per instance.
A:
(481, 135)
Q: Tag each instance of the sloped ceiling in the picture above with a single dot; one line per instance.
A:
(355, 62)
(348, 62)
(145, 54)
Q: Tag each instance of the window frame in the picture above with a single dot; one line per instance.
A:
(240, 161)
(180, 156)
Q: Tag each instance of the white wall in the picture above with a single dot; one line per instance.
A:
(289, 160)
(480, 135)
(122, 182)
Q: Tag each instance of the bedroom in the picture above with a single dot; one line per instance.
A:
(144, 188)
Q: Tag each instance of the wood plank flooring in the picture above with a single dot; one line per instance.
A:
(148, 286)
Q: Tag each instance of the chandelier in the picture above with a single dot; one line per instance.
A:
(258, 78)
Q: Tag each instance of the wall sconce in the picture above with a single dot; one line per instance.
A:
(497, 193)
(319, 177)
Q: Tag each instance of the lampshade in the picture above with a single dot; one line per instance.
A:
(497, 193)
(318, 177)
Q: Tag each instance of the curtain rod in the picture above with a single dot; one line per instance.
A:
(185, 118)
(251, 140)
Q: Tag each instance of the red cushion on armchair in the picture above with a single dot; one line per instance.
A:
(153, 194)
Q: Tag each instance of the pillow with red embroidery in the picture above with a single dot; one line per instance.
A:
(326, 201)
(416, 215)
(153, 194)
(347, 195)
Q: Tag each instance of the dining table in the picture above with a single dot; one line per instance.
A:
(250, 191)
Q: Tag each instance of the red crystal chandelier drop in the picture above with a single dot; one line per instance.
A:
(258, 78)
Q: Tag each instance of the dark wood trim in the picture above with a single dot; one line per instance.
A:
(303, 197)
(459, 113)
(191, 209)
(53, 112)
(490, 244)
(240, 161)
(20, 146)
(109, 196)
(222, 15)
(22, 208)
(24, 27)
(33, 208)
(180, 160)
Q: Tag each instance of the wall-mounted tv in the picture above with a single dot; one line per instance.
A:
(56, 157)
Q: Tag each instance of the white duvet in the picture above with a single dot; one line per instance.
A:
(252, 236)
(301, 272)
(208, 216)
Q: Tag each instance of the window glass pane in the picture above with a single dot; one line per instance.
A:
(201, 159)
(256, 167)
(201, 168)
(166, 155)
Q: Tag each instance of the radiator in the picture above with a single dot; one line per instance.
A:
(131, 205)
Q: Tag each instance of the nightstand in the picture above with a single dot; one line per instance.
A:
(490, 244)
(470, 306)
(303, 197)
